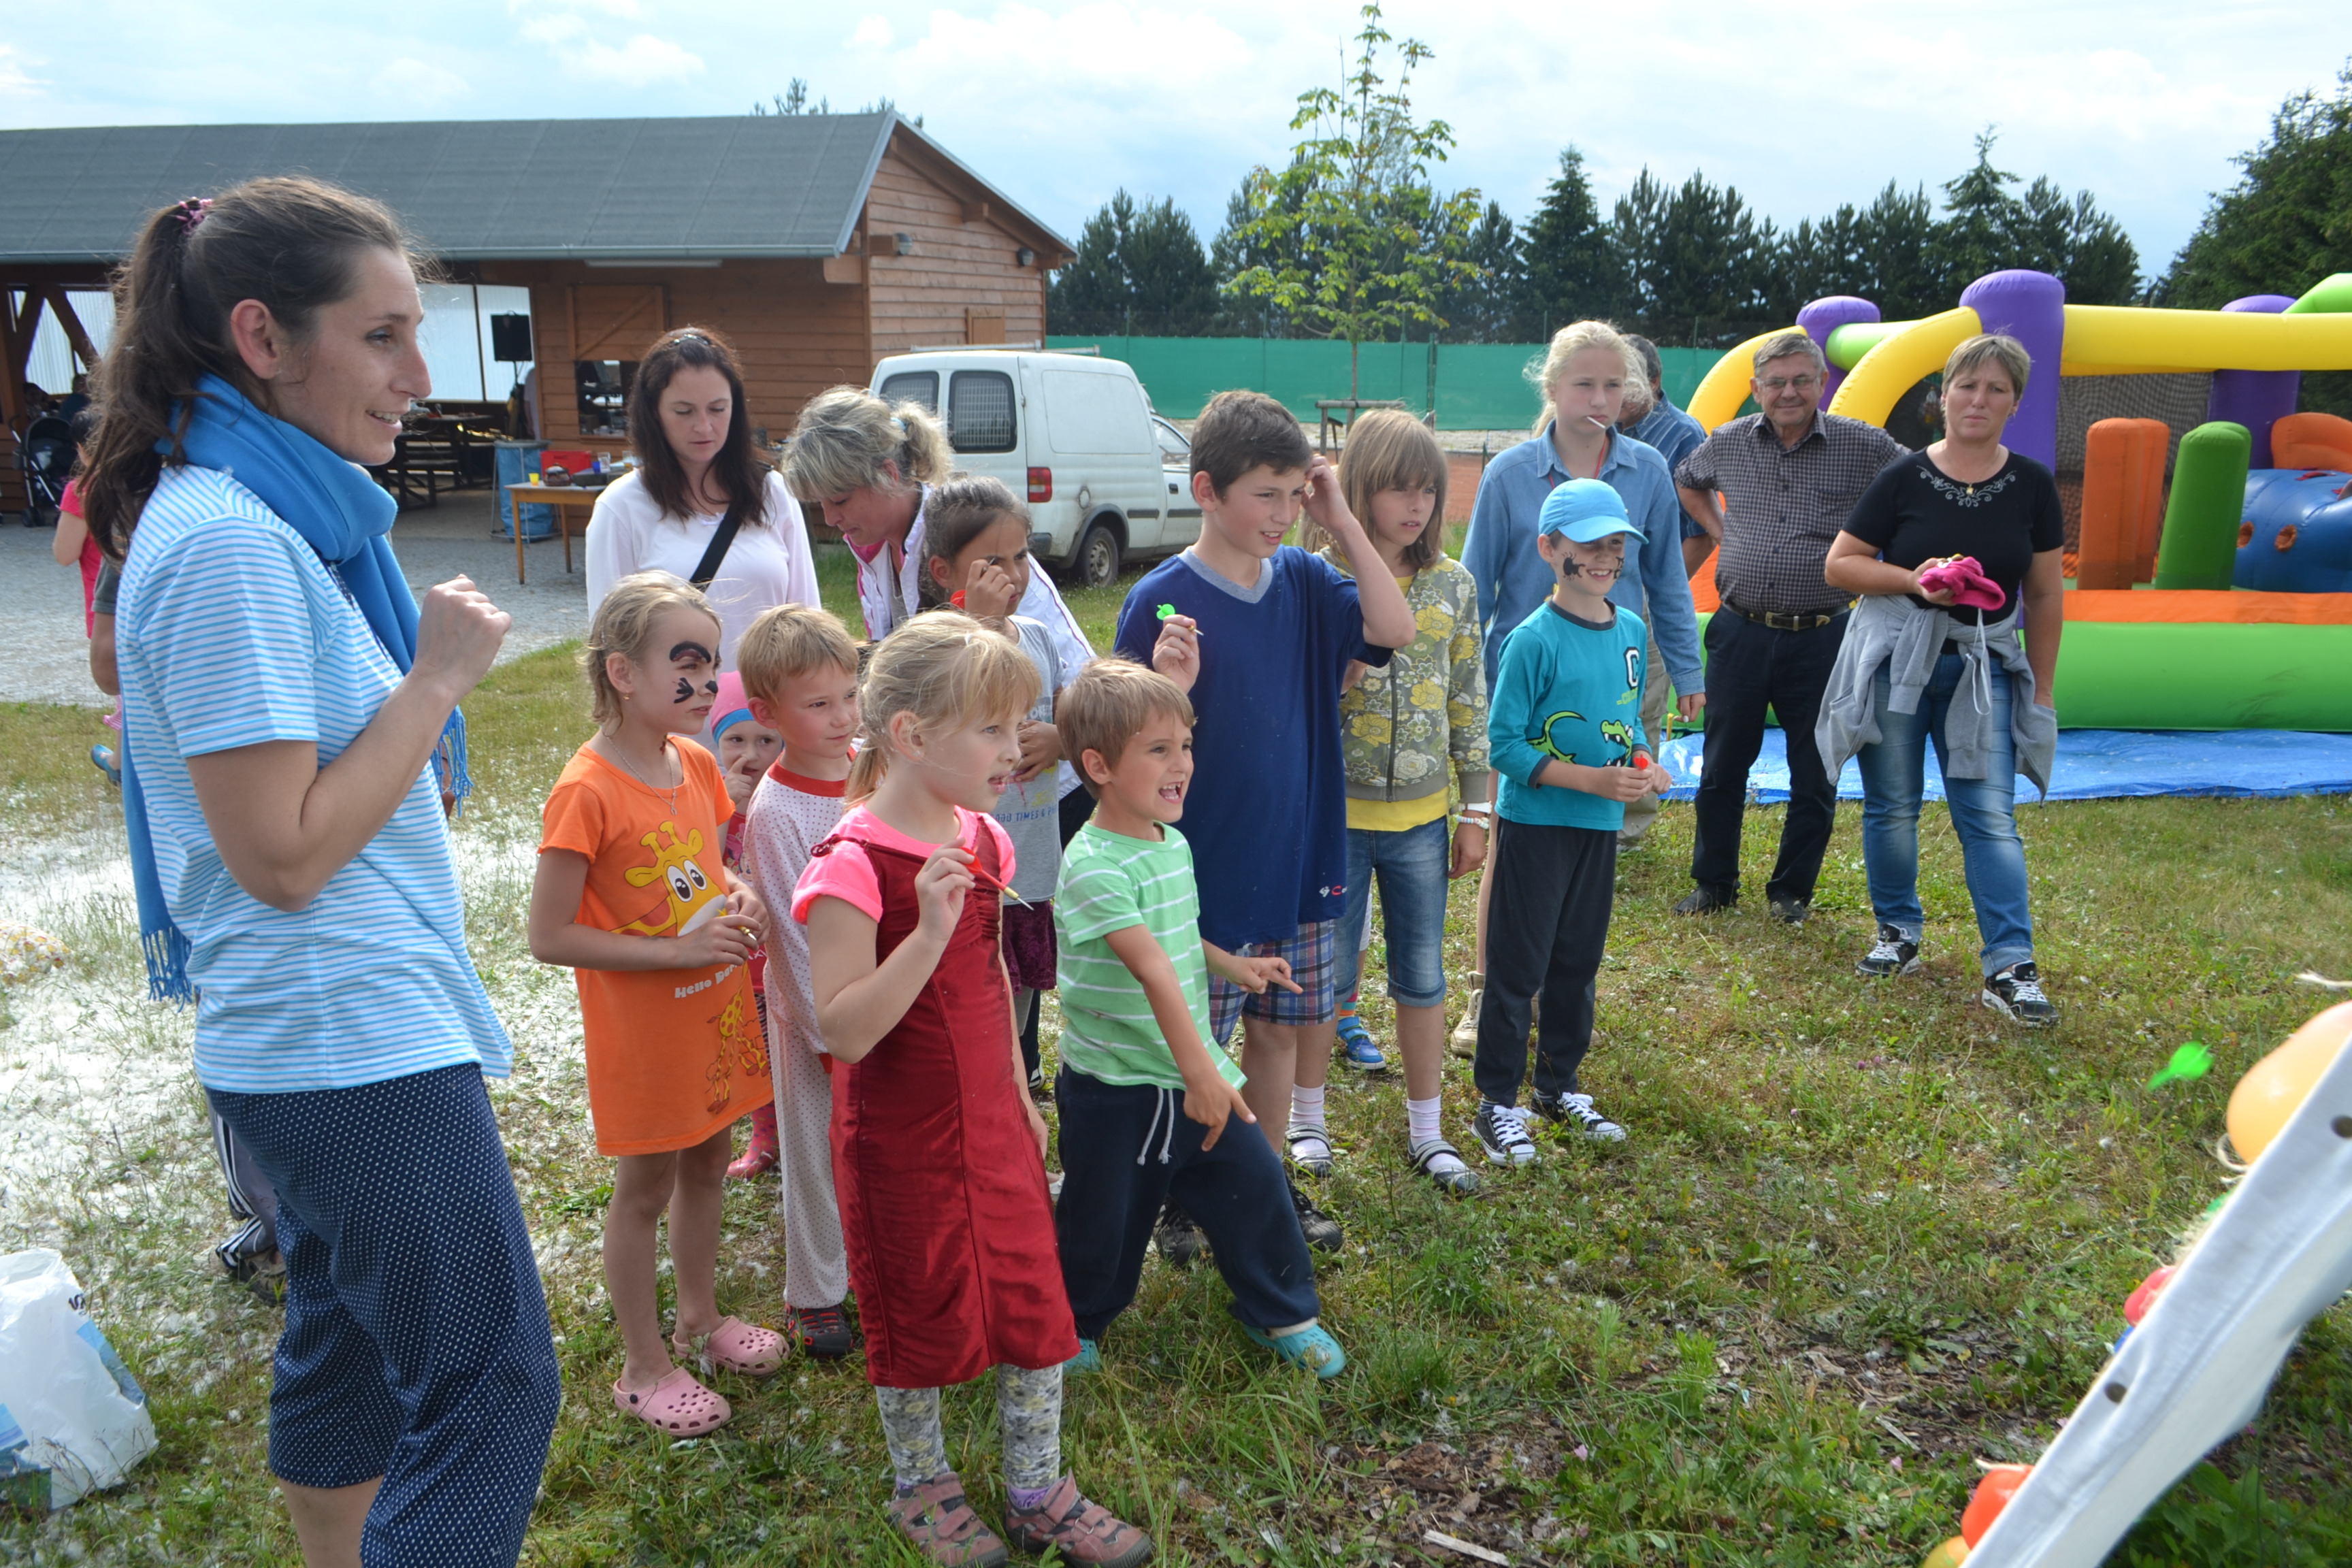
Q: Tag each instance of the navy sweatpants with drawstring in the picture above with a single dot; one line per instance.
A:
(1125, 1149)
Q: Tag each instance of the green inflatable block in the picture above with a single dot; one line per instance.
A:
(2200, 547)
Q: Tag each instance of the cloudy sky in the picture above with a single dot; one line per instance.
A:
(1061, 102)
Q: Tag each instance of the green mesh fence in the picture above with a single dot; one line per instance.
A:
(1476, 386)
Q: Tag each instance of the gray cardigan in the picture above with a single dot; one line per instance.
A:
(1890, 629)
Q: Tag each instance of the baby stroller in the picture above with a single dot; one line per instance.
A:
(46, 455)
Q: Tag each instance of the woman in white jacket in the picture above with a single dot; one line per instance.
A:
(692, 436)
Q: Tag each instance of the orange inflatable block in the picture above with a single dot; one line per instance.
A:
(2312, 441)
(2123, 501)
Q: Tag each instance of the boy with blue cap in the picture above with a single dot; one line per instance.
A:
(1564, 730)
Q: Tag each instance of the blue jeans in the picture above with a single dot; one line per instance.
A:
(1411, 867)
(1984, 815)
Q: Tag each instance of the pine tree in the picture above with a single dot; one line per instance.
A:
(1575, 269)
(1493, 307)
(1139, 269)
(2287, 222)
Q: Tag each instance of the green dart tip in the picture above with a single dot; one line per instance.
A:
(2190, 1061)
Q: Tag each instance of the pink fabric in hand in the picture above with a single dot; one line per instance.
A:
(1965, 578)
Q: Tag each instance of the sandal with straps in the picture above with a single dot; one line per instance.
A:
(1310, 1149)
(940, 1524)
(1461, 1181)
(677, 1404)
(737, 1346)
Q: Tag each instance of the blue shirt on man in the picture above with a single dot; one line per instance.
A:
(1267, 810)
(1513, 579)
(1675, 434)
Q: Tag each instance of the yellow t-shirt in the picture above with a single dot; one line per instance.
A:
(1396, 816)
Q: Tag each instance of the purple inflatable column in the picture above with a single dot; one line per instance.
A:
(2031, 307)
(1825, 316)
(2255, 398)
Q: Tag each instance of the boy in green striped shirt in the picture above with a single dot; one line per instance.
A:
(1144, 1091)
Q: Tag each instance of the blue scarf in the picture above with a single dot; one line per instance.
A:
(343, 515)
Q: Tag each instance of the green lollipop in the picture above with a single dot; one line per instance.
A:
(2190, 1061)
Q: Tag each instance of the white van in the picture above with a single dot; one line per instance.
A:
(1108, 481)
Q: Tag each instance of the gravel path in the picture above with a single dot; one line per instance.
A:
(45, 658)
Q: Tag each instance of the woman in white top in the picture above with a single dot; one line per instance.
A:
(693, 439)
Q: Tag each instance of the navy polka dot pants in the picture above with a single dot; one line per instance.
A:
(416, 1344)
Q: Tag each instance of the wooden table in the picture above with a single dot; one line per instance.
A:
(564, 498)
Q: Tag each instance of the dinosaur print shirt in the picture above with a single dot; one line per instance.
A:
(1567, 690)
(674, 1055)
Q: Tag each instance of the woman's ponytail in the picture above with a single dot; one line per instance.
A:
(293, 244)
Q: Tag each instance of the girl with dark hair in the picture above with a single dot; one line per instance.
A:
(696, 468)
(291, 730)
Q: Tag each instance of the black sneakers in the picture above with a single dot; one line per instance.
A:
(1705, 900)
(1893, 955)
(1790, 911)
(1323, 1232)
(1577, 1110)
(1502, 1131)
(1180, 1241)
(2016, 993)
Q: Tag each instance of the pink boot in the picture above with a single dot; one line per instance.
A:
(762, 1154)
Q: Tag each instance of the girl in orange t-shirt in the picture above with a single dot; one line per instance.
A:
(631, 894)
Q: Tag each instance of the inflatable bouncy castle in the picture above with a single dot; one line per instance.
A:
(2211, 582)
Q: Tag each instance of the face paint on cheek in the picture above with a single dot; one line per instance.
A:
(685, 690)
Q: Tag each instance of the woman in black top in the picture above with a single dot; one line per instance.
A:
(1969, 495)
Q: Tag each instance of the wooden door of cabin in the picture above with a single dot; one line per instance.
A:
(617, 320)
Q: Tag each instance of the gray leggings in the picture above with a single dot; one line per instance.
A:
(1028, 1410)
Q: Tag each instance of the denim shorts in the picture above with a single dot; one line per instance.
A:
(1309, 951)
(1410, 868)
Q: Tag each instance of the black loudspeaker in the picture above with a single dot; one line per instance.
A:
(510, 338)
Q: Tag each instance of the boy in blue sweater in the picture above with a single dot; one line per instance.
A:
(1259, 635)
(1564, 728)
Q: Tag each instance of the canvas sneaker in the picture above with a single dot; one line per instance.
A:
(2016, 993)
(1502, 1131)
(1893, 954)
(1179, 1240)
(1322, 1232)
(1577, 1110)
(1357, 1046)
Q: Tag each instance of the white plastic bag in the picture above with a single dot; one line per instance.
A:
(72, 1418)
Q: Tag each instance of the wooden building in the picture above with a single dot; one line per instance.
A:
(815, 243)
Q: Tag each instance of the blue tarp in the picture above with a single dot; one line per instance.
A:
(2101, 764)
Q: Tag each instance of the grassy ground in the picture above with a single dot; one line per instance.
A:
(1864, 1235)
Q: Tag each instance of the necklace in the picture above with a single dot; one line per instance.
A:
(630, 768)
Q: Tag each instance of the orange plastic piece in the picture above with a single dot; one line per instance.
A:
(1949, 1554)
(2123, 501)
(2136, 1304)
(2185, 607)
(1706, 598)
(1993, 1494)
(2312, 441)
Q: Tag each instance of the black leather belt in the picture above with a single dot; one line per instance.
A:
(1781, 622)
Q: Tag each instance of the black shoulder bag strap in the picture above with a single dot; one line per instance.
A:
(715, 555)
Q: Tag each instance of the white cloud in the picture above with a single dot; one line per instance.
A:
(872, 33)
(416, 84)
(16, 79)
(642, 60)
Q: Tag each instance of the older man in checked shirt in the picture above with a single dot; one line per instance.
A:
(1773, 489)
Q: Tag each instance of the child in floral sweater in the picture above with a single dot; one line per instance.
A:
(1408, 732)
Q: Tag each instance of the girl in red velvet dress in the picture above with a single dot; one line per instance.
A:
(938, 1152)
